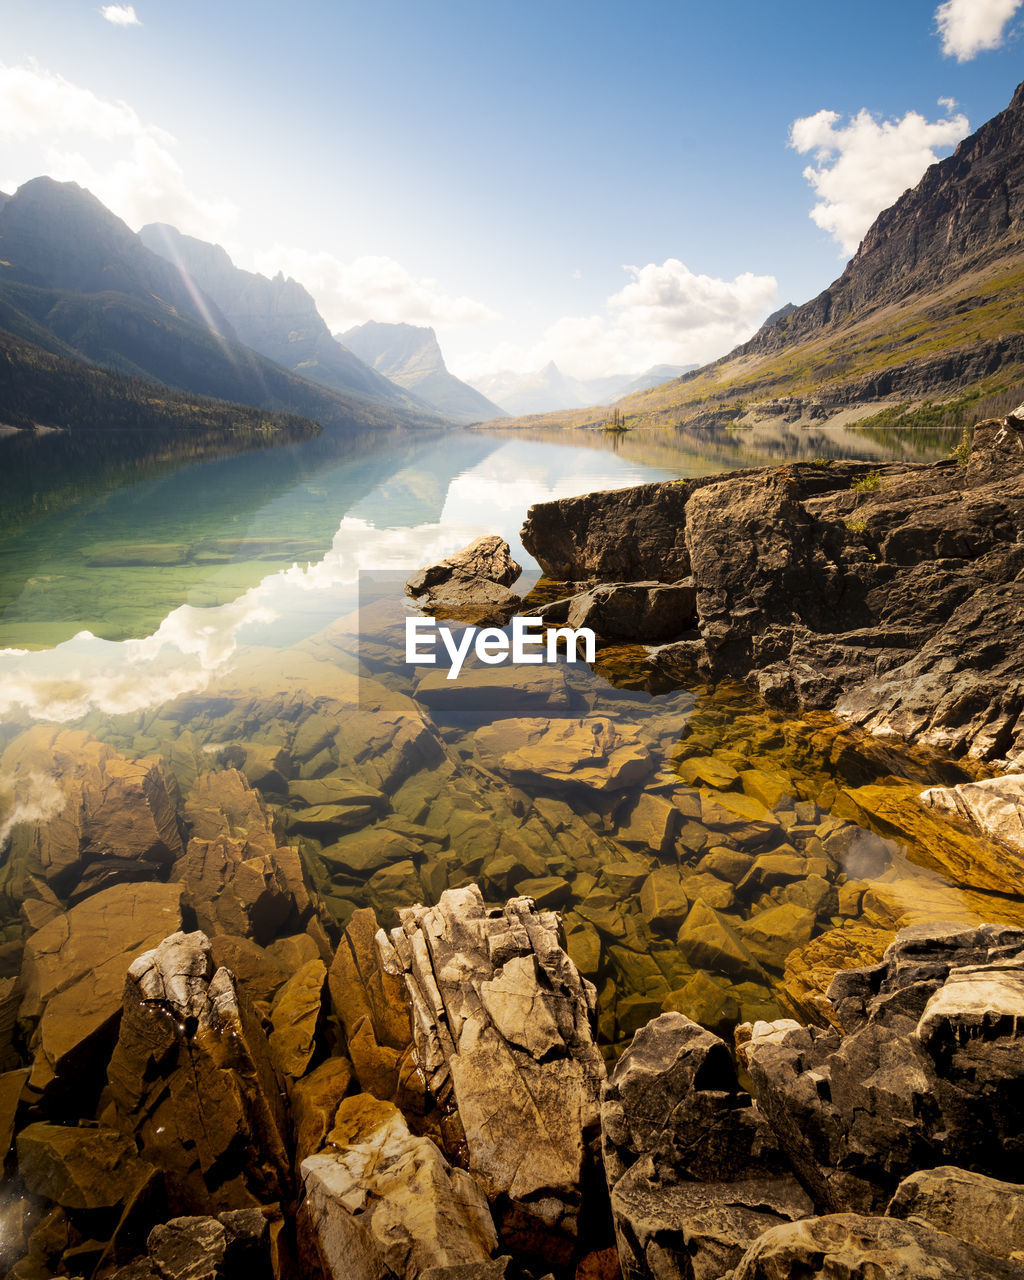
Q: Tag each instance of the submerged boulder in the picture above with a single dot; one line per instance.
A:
(84, 816)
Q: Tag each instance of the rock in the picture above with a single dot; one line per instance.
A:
(859, 1248)
(373, 1007)
(593, 753)
(256, 971)
(295, 1016)
(894, 602)
(81, 1168)
(381, 1202)
(12, 1085)
(981, 1211)
(88, 813)
(693, 1173)
(503, 1027)
(237, 878)
(314, 1101)
(236, 1245)
(708, 942)
(663, 900)
(711, 1004)
(494, 692)
(963, 857)
(644, 612)
(191, 1079)
(73, 975)
(651, 825)
(810, 969)
(928, 1072)
(489, 558)
(995, 805)
(771, 935)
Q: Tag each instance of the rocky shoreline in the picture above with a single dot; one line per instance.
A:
(340, 988)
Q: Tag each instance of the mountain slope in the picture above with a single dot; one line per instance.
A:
(924, 326)
(410, 356)
(278, 317)
(77, 282)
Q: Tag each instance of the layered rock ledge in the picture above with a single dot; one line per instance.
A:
(891, 595)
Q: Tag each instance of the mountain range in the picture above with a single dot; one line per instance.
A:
(923, 328)
(549, 388)
(79, 288)
(409, 355)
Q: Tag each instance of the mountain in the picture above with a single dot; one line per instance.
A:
(922, 329)
(410, 356)
(549, 388)
(278, 317)
(77, 283)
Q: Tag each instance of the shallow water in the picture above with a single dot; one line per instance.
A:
(209, 613)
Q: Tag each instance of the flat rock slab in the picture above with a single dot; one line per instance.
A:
(994, 805)
(593, 753)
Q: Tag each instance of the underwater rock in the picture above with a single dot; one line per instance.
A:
(381, 1202)
(594, 753)
(80, 1168)
(811, 968)
(295, 1017)
(73, 975)
(314, 1101)
(503, 1027)
(90, 813)
(191, 1079)
(374, 1009)
(238, 879)
(693, 1172)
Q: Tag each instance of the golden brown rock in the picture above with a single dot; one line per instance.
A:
(295, 1014)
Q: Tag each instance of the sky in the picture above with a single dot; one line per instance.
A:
(606, 185)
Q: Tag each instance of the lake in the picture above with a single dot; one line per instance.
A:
(208, 613)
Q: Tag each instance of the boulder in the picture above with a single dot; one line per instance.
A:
(488, 557)
(191, 1080)
(381, 1202)
(994, 805)
(295, 1018)
(373, 1007)
(594, 753)
(314, 1101)
(984, 1212)
(237, 878)
(693, 1172)
(85, 816)
(641, 612)
(503, 1027)
(81, 1168)
(73, 976)
(859, 1248)
(240, 1244)
(929, 1071)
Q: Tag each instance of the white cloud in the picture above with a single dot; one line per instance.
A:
(372, 288)
(968, 27)
(52, 126)
(121, 15)
(667, 314)
(862, 167)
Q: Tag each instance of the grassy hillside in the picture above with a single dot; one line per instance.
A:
(944, 358)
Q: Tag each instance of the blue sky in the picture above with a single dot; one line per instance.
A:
(495, 168)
